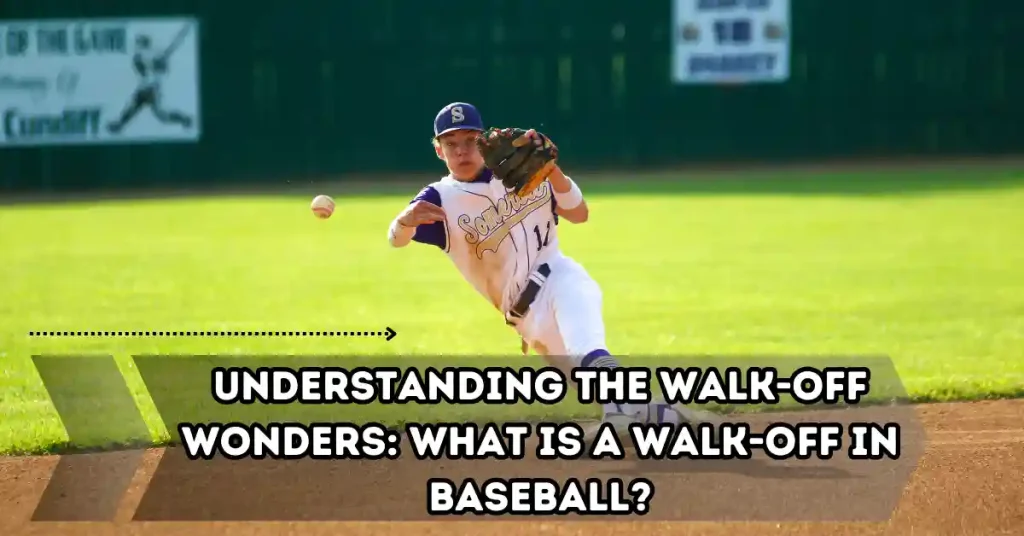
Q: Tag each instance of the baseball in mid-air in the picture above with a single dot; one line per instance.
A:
(322, 206)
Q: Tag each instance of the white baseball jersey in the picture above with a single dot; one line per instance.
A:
(145, 65)
(493, 237)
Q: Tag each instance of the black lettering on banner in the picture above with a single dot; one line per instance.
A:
(666, 441)
(745, 63)
(782, 441)
(99, 39)
(466, 441)
(289, 441)
(873, 441)
(712, 5)
(607, 444)
(622, 385)
(16, 42)
(559, 441)
(52, 41)
(64, 123)
(812, 386)
(733, 31)
(694, 385)
(538, 496)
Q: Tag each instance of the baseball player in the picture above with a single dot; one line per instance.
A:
(505, 244)
(150, 66)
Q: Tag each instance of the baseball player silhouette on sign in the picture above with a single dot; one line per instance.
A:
(151, 68)
(506, 247)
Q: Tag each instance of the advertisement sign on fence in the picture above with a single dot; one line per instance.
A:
(87, 81)
(730, 41)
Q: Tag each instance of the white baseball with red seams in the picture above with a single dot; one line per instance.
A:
(322, 206)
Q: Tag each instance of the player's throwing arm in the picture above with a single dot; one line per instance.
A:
(403, 227)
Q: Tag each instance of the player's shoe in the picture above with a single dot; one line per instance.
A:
(679, 414)
(656, 413)
(620, 424)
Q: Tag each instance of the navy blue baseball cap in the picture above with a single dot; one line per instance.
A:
(457, 116)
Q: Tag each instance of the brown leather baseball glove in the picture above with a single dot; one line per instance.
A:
(519, 160)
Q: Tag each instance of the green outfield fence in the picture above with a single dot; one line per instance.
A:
(302, 88)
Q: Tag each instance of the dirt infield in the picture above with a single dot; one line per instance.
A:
(970, 481)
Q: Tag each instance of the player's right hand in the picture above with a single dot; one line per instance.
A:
(419, 213)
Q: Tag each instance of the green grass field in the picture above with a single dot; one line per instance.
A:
(926, 268)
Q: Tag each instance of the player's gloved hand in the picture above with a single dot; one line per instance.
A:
(419, 213)
(521, 159)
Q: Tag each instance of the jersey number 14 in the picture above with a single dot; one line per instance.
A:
(542, 242)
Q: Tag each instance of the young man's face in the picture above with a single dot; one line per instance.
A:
(459, 151)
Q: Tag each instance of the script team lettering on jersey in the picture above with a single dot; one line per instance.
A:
(493, 237)
(488, 229)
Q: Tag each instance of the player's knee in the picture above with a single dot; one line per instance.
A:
(582, 330)
(589, 344)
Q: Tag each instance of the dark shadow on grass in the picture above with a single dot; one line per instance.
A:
(853, 178)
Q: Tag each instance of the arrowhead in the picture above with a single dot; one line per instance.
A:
(390, 334)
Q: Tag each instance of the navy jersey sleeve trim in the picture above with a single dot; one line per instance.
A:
(554, 206)
(434, 234)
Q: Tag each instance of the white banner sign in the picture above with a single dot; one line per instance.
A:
(89, 81)
(730, 41)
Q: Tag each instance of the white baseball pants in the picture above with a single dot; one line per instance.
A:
(566, 318)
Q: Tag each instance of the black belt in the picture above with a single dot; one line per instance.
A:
(533, 285)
